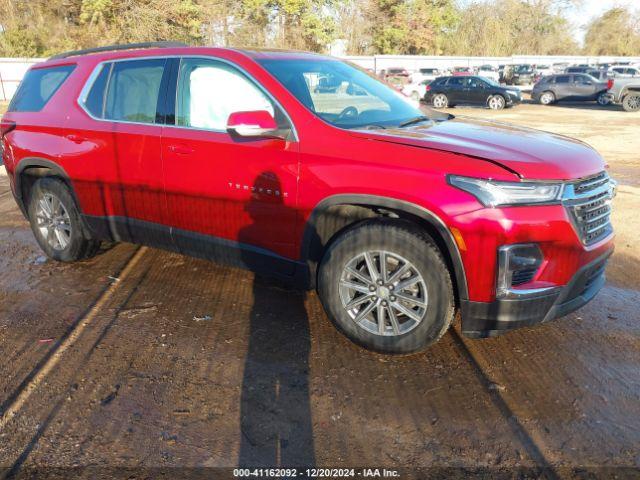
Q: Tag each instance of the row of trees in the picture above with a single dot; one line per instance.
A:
(430, 27)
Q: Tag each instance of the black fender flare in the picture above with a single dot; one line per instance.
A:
(309, 234)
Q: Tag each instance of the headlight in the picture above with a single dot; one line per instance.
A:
(492, 193)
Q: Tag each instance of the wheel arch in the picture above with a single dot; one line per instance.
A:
(630, 90)
(28, 170)
(496, 94)
(335, 214)
(552, 92)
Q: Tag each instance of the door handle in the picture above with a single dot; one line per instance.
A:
(180, 149)
(76, 138)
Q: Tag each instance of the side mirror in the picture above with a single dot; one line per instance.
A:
(257, 123)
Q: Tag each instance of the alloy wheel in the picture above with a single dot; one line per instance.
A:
(603, 99)
(53, 222)
(633, 103)
(546, 98)
(440, 101)
(383, 293)
(496, 102)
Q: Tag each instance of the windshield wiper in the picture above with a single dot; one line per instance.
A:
(374, 126)
(414, 120)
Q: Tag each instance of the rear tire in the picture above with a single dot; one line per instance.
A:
(440, 100)
(603, 99)
(401, 308)
(56, 222)
(631, 102)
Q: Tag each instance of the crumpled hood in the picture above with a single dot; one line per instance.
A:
(530, 153)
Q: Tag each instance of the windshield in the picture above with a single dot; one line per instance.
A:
(523, 69)
(491, 82)
(342, 94)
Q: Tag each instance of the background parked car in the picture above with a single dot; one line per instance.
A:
(397, 72)
(565, 87)
(624, 71)
(397, 76)
(523, 74)
(449, 91)
(543, 70)
(559, 67)
(625, 91)
(489, 71)
(425, 74)
(416, 90)
(461, 71)
(580, 69)
(601, 75)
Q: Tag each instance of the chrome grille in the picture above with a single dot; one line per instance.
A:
(589, 204)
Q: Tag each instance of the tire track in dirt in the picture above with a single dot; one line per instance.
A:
(529, 439)
(94, 311)
(18, 399)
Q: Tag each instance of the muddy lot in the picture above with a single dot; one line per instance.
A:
(139, 360)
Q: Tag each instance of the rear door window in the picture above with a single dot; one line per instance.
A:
(455, 82)
(563, 79)
(37, 88)
(133, 90)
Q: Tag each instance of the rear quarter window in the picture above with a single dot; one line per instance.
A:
(37, 88)
(95, 101)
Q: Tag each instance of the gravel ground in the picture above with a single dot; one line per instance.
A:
(141, 359)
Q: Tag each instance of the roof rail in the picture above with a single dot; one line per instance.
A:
(113, 48)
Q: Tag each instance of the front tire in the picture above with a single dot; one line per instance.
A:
(386, 286)
(631, 102)
(496, 102)
(440, 100)
(56, 222)
(547, 98)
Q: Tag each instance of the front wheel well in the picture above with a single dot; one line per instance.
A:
(327, 226)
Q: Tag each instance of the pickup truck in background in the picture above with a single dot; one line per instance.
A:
(625, 92)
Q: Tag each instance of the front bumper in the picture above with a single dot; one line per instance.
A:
(513, 99)
(488, 319)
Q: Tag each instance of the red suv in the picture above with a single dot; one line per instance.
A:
(397, 217)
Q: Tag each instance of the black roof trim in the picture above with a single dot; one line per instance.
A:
(113, 48)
